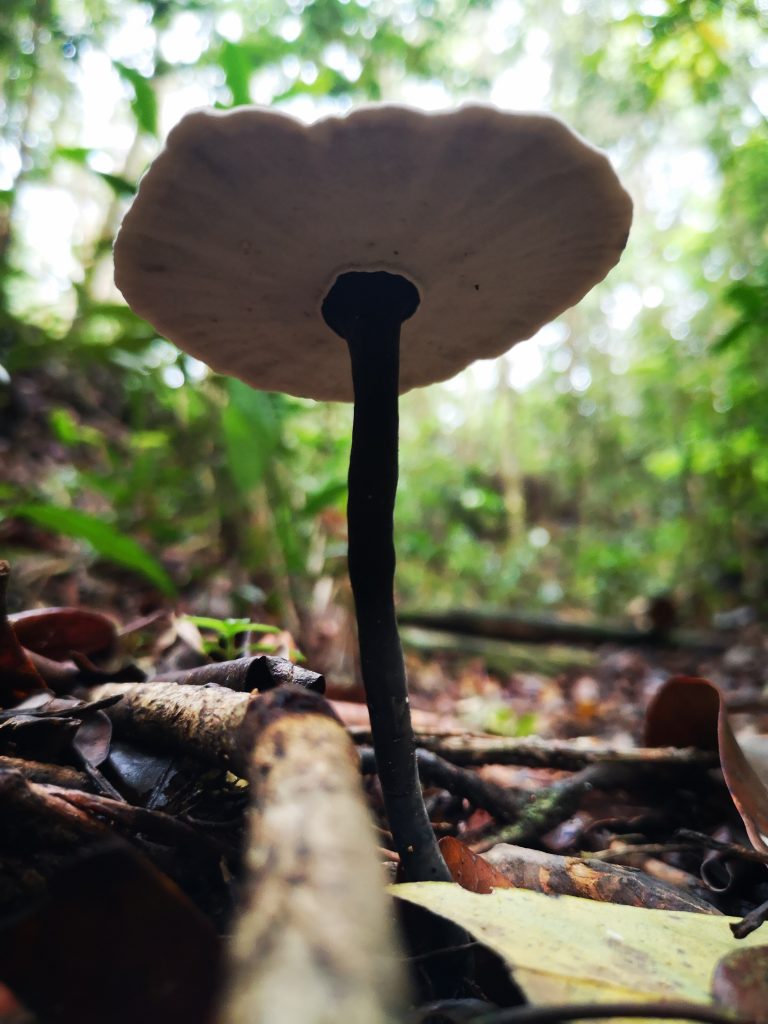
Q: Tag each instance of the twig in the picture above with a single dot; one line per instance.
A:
(626, 850)
(503, 804)
(729, 849)
(154, 825)
(50, 774)
(601, 1011)
(550, 806)
(472, 751)
(751, 922)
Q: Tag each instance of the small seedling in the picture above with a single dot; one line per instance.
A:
(232, 638)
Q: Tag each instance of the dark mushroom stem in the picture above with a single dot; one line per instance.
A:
(367, 310)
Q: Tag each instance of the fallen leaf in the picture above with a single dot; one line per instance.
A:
(688, 711)
(566, 949)
(469, 869)
(18, 676)
(56, 632)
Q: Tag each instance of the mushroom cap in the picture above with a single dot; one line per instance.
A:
(244, 221)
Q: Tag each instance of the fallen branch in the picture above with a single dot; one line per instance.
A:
(209, 722)
(261, 672)
(516, 626)
(590, 879)
(315, 941)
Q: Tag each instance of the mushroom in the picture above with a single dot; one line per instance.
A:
(256, 241)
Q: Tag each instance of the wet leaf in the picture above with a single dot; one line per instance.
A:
(740, 984)
(688, 711)
(469, 869)
(566, 949)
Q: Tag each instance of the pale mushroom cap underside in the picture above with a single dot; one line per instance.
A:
(245, 220)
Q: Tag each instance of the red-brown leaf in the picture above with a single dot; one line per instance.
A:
(18, 676)
(469, 869)
(56, 632)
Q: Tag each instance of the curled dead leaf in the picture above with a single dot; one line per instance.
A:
(689, 711)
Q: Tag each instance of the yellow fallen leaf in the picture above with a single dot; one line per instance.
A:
(563, 949)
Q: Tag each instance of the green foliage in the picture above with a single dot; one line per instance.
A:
(104, 539)
(634, 461)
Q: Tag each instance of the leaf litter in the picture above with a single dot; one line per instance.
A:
(604, 797)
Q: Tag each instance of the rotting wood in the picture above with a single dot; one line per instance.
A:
(315, 941)
(591, 879)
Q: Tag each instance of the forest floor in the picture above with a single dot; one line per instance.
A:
(532, 754)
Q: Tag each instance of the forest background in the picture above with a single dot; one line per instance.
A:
(620, 452)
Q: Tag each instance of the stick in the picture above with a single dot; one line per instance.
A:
(315, 942)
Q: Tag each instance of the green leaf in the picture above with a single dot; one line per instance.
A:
(328, 495)
(237, 65)
(666, 464)
(103, 538)
(229, 627)
(70, 432)
(251, 430)
(120, 186)
(144, 103)
(76, 154)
